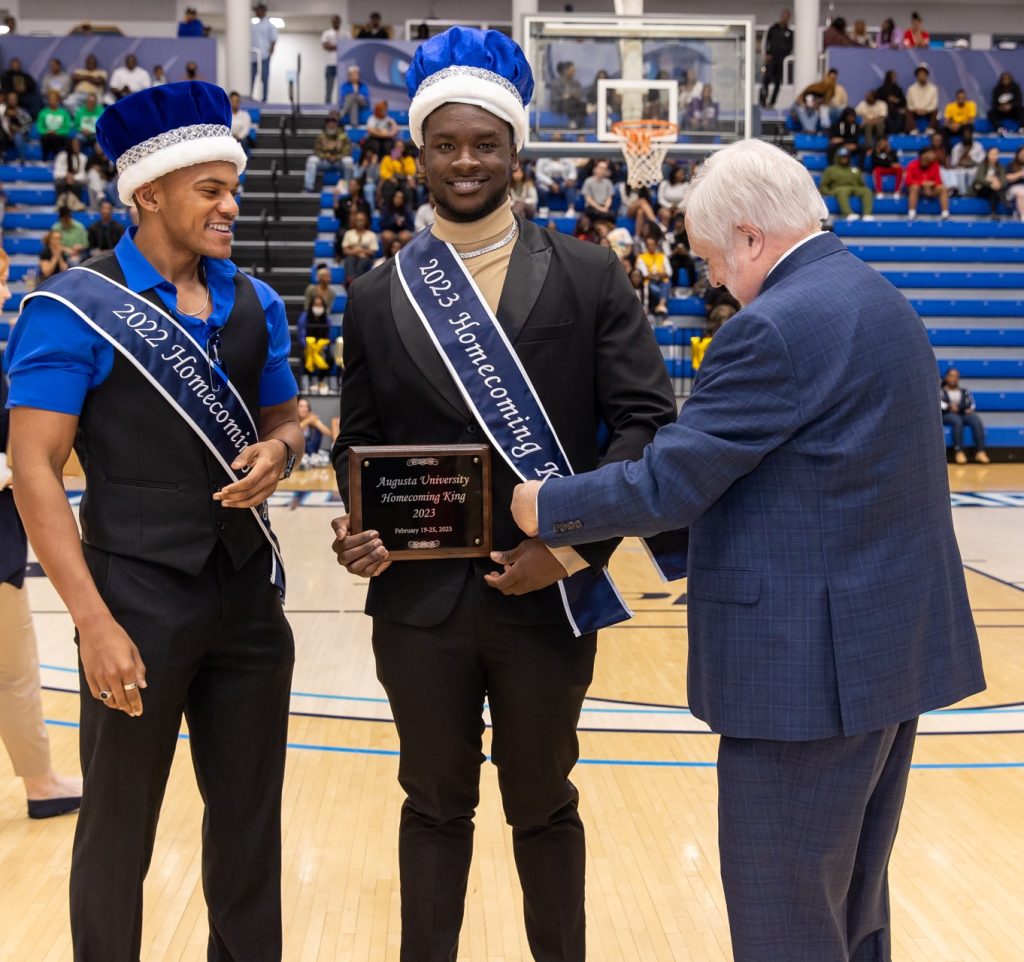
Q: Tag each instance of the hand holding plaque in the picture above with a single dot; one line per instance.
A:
(425, 501)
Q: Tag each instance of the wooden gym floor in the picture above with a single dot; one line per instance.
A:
(647, 782)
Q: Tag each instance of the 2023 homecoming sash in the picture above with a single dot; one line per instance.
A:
(174, 363)
(498, 391)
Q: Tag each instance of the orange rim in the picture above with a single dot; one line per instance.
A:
(640, 133)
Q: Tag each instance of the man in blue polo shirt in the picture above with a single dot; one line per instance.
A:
(167, 370)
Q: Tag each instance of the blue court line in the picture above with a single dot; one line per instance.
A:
(620, 731)
(611, 762)
(647, 708)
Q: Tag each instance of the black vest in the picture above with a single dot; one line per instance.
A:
(150, 480)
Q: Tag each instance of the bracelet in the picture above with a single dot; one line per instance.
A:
(287, 447)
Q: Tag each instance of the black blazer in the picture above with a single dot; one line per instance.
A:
(582, 336)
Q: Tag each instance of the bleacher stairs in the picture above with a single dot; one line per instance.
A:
(277, 223)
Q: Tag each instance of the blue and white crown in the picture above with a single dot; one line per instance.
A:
(161, 129)
(483, 68)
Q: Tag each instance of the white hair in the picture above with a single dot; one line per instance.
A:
(752, 183)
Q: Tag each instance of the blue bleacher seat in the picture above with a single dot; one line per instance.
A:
(810, 142)
(35, 196)
(337, 274)
(1008, 336)
(13, 302)
(13, 173)
(22, 245)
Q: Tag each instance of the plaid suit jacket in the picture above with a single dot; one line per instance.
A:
(826, 592)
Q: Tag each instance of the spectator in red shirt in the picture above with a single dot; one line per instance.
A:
(916, 35)
(924, 176)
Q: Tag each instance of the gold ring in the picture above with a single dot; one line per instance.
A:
(131, 686)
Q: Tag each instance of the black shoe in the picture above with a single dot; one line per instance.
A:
(49, 807)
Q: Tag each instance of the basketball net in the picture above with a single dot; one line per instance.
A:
(644, 145)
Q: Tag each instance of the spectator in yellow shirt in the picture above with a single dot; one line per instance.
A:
(654, 265)
(959, 114)
(397, 172)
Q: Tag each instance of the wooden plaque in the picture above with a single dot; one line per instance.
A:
(426, 501)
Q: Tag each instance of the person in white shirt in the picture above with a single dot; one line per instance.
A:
(922, 102)
(556, 176)
(159, 77)
(425, 215)
(241, 122)
(69, 172)
(360, 246)
(964, 160)
(57, 79)
(262, 40)
(329, 41)
(872, 112)
(673, 190)
(523, 194)
(690, 89)
(381, 130)
(129, 79)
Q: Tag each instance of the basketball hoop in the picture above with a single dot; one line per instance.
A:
(644, 145)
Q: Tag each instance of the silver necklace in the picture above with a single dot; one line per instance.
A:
(497, 245)
(181, 310)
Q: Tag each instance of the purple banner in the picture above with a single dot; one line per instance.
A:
(976, 71)
(171, 53)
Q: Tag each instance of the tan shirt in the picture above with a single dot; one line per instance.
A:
(489, 272)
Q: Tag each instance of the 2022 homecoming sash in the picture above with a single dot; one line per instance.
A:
(174, 363)
(499, 393)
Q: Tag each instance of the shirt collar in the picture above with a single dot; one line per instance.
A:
(140, 275)
(799, 243)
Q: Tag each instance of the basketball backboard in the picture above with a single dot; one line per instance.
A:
(591, 71)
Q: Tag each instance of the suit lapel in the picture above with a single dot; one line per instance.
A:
(527, 271)
(420, 347)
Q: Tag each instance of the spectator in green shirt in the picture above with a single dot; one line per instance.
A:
(842, 181)
(54, 125)
(85, 120)
(73, 238)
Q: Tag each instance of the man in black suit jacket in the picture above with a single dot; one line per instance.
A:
(449, 633)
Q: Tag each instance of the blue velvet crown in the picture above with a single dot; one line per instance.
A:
(158, 111)
(469, 48)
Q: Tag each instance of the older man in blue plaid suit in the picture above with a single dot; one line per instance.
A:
(827, 602)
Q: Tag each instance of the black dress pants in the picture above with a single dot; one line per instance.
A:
(218, 650)
(535, 679)
(771, 82)
(805, 834)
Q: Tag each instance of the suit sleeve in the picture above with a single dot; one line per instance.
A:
(634, 393)
(359, 422)
(746, 405)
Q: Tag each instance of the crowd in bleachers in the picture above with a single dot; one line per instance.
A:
(379, 184)
(51, 123)
(946, 156)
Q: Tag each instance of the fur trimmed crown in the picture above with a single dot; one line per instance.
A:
(463, 65)
(161, 129)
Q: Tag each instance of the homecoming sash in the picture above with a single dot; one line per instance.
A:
(498, 391)
(174, 363)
